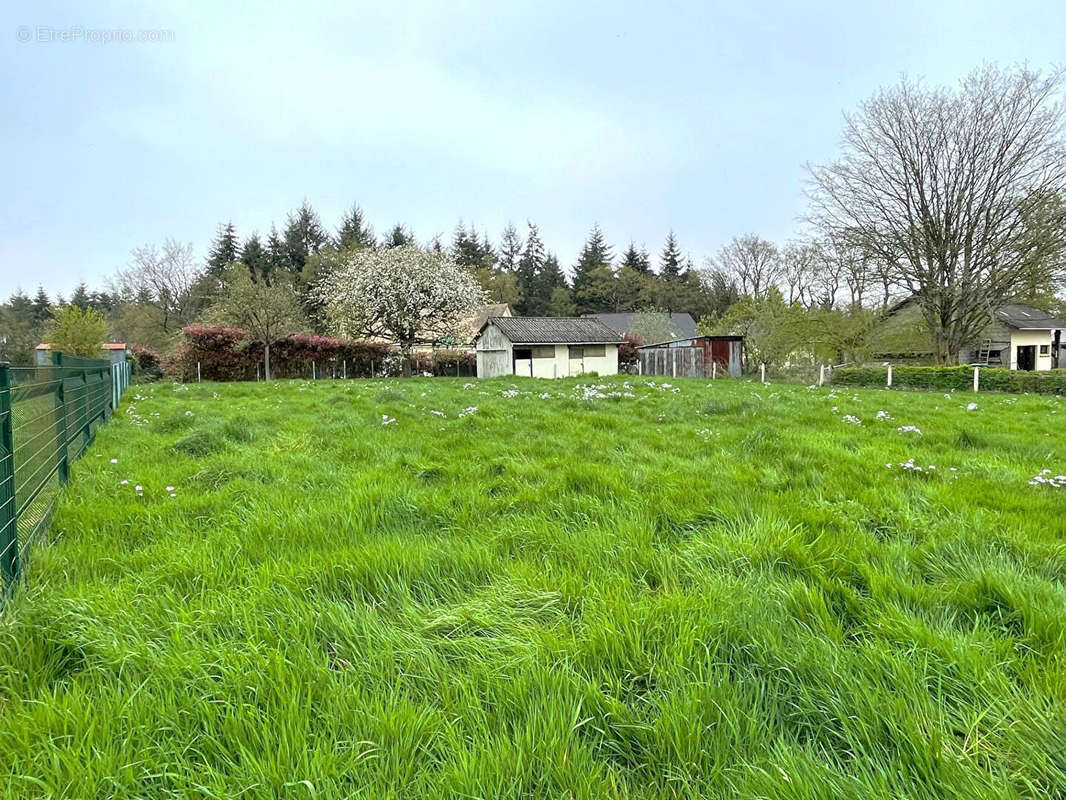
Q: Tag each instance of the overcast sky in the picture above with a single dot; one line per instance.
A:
(639, 116)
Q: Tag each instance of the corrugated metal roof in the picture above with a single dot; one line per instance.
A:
(554, 330)
(1026, 317)
(623, 321)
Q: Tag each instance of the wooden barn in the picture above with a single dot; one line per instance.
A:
(695, 357)
(546, 347)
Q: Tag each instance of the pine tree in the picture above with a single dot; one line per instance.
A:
(510, 248)
(80, 297)
(528, 272)
(637, 260)
(224, 250)
(595, 255)
(354, 232)
(398, 236)
(670, 261)
(41, 305)
(304, 236)
(275, 254)
(553, 295)
(466, 249)
(255, 257)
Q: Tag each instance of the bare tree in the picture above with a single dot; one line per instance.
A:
(164, 279)
(753, 261)
(798, 265)
(958, 193)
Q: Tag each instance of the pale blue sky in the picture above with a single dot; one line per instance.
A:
(639, 116)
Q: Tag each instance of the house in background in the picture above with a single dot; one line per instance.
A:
(1018, 337)
(546, 347)
(684, 326)
(115, 352)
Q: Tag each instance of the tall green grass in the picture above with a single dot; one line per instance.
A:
(583, 588)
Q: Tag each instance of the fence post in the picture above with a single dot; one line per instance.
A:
(371, 368)
(976, 378)
(673, 362)
(197, 371)
(344, 368)
(762, 372)
(9, 554)
(714, 369)
(889, 384)
(61, 413)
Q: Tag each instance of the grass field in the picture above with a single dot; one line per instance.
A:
(431, 588)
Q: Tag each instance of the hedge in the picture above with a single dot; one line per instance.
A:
(955, 379)
(225, 354)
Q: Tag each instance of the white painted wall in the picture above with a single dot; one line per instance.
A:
(495, 354)
(1038, 338)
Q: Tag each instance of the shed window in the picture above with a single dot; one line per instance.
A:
(595, 351)
(577, 352)
(544, 351)
(1045, 349)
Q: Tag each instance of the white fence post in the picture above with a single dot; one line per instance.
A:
(762, 372)
(197, 371)
(714, 369)
(889, 383)
(976, 378)
(821, 374)
(344, 368)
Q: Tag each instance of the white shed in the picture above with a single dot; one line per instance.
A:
(546, 347)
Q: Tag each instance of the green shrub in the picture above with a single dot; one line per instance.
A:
(954, 379)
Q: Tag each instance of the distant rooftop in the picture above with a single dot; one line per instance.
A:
(104, 346)
(623, 321)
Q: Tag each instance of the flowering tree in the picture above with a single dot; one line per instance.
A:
(403, 294)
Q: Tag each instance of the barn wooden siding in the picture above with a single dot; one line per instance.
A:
(700, 357)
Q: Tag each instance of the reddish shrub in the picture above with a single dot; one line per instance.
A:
(628, 356)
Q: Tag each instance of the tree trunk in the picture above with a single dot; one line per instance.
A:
(266, 360)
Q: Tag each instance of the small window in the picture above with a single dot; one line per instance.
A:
(577, 352)
(1045, 349)
(544, 351)
(595, 351)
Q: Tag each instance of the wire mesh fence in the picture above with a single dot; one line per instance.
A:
(48, 417)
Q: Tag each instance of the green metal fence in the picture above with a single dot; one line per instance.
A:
(48, 416)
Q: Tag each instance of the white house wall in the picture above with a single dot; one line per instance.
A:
(495, 357)
(1024, 338)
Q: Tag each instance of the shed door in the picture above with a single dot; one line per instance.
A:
(523, 361)
(720, 352)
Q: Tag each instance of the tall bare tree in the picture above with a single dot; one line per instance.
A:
(164, 280)
(798, 264)
(752, 261)
(958, 192)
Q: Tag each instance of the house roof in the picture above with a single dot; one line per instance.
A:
(623, 322)
(104, 346)
(1027, 318)
(474, 324)
(553, 330)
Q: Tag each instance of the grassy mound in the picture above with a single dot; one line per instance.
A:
(578, 588)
